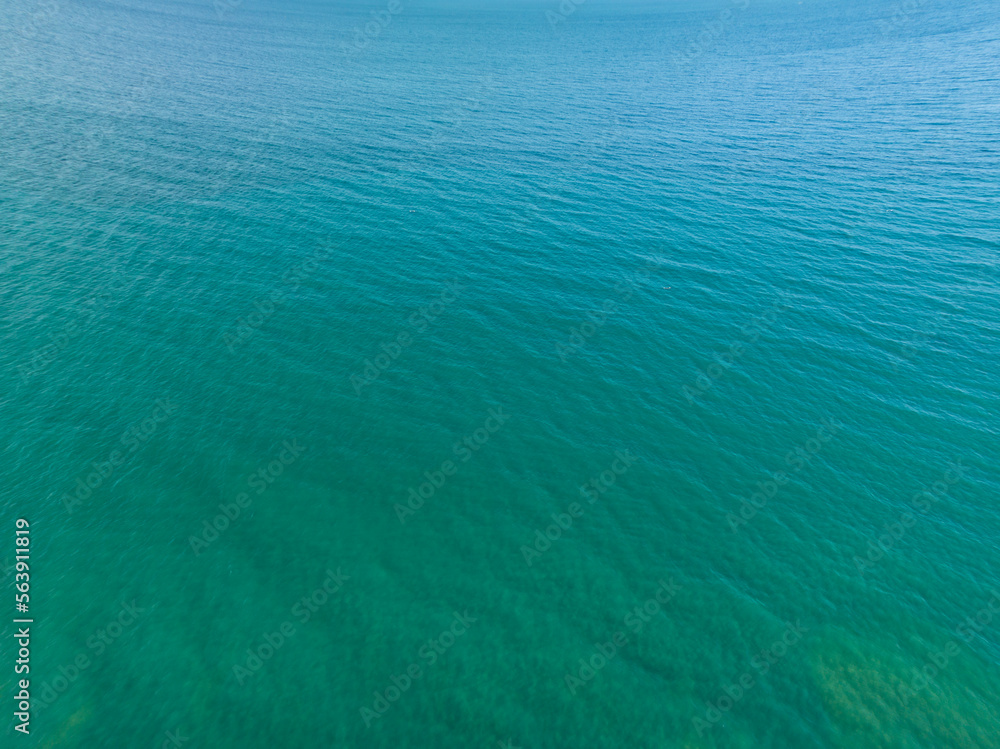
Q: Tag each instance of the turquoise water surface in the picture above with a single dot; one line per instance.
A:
(424, 375)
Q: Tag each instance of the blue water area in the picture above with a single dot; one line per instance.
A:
(553, 375)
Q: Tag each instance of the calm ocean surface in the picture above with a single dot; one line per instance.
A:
(502, 324)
